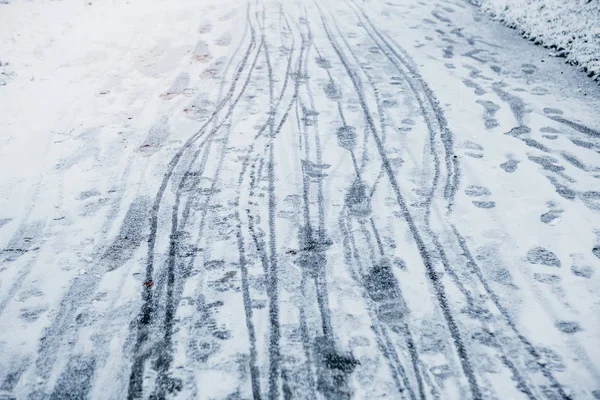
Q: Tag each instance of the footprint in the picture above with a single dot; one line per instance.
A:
(87, 194)
(474, 155)
(591, 199)
(332, 91)
(214, 69)
(548, 163)
(551, 216)
(228, 16)
(553, 111)
(478, 89)
(518, 131)
(357, 199)
(539, 91)
(550, 359)
(540, 255)
(472, 146)
(214, 264)
(528, 69)
(489, 114)
(205, 27)
(546, 278)
(568, 326)
(484, 204)
(389, 103)
(582, 143)
(549, 129)
(178, 86)
(582, 271)
(224, 40)
(32, 314)
(4, 221)
(323, 62)
(201, 52)
(440, 17)
(346, 136)
(448, 52)
(535, 144)
(573, 160)
(510, 166)
(477, 191)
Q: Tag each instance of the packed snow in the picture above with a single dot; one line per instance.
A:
(381, 199)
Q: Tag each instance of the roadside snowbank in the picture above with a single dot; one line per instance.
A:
(571, 27)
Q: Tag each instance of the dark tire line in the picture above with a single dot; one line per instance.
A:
(320, 277)
(383, 341)
(274, 369)
(380, 332)
(476, 270)
(243, 263)
(272, 289)
(66, 318)
(519, 380)
(426, 257)
(408, 335)
(305, 238)
(146, 316)
(79, 291)
(313, 246)
(521, 384)
(339, 106)
(175, 287)
(382, 336)
(429, 105)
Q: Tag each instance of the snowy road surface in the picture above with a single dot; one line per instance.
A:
(293, 199)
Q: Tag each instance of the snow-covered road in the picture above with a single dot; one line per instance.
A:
(293, 199)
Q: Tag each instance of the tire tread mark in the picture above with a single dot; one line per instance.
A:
(146, 314)
(427, 261)
(474, 267)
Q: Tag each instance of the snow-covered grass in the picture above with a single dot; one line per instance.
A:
(572, 27)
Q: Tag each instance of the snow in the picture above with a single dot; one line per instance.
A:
(571, 28)
(224, 200)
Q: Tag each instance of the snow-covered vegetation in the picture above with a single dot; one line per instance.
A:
(570, 27)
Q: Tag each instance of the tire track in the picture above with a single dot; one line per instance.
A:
(476, 270)
(382, 337)
(147, 312)
(383, 341)
(333, 367)
(271, 273)
(268, 266)
(520, 381)
(429, 104)
(457, 281)
(380, 332)
(408, 336)
(425, 255)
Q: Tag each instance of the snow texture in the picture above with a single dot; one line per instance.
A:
(293, 199)
(570, 27)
